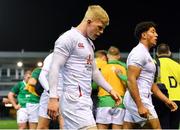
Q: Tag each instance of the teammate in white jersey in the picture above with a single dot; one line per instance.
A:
(141, 70)
(74, 51)
(44, 119)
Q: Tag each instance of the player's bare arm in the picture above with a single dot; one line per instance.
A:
(133, 74)
(157, 92)
(57, 62)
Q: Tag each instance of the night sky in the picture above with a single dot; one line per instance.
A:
(34, 25)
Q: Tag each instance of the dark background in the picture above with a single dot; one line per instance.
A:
(34, 25)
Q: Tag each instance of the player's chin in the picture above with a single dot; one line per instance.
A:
(95, 37)
(154, 43)
(92, 38)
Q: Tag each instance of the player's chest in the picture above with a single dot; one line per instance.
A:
(149, 65)
(83, 50)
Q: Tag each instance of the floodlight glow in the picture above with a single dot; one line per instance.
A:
(19, 64)
(39, 64)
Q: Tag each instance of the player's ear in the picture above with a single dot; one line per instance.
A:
(143, 34)
(89, 21)
(169, 54)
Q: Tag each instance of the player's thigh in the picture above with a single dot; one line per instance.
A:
(130, 125)
(32, 125)
(43, 123)
(102, 126)
(115, 126)
(22, 125)
(153, 124)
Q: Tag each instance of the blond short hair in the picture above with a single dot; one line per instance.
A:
(96, 12)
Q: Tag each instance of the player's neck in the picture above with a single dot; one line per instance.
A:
(82, 29)
(146, 44)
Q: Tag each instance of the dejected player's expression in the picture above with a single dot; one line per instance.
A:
(95, 29)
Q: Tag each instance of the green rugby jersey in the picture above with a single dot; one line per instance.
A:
(24, 96)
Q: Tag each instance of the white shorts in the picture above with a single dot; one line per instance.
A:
(109, 115)
(44, 104)
(132, 115)
(28, 114)
(77, 111)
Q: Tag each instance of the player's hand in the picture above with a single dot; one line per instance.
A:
(172, 105)
(118, 71)
(17, 107)
(144, 112)
(5, 100)
(116, 97)
(53, 108)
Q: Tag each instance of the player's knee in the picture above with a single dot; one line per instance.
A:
(22, 126)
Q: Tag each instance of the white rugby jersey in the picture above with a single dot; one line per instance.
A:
(140, 56)
(77, 71)
(46, 67)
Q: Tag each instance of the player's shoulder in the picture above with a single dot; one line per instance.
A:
(48, 57)
(69, 36)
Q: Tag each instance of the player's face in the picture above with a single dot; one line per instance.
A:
(95, 29)
(151, 36)
(27, 77)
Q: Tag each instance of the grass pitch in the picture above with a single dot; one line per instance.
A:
(8, 124)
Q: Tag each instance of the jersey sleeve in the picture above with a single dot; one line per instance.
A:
(64, 45)
(136, 59)
(35, 73)
(47, 62)
(15, 88)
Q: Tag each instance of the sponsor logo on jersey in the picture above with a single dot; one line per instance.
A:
(80, 45)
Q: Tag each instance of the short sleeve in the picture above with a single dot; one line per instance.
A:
(15, 88)
(136, 59)
(47, 62)
(35, 73)
(64, 45)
